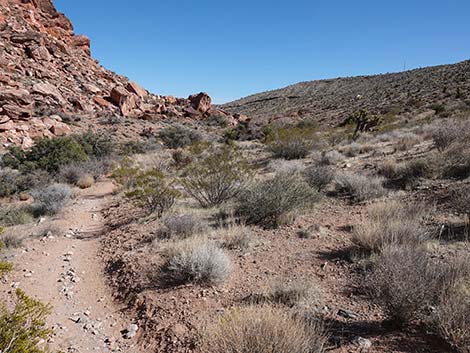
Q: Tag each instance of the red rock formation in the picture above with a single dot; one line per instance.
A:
(46, 70)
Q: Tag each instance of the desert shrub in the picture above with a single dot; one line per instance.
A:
(404, 283)
(24, 327)
(236, 236)
(455, 161)
(85, 181)
(446, 133)
(51, 199)
(72, 173)
(11, 216)
(138, 147)
(178, 136)
(96, 145)
(319, 176)
(8, 182)
(291, 142)
(390, 223)
(10, 240)
(5, 267)
(404, 174)
(217, 178)
(359, 187)
(454, 319)
(352, 150)
(47, 154)
(407, 140)
(181, 226)
(197, 261)
(263, 330)
(267, 202)
(332, 157)
(291, 293)
(153, 191)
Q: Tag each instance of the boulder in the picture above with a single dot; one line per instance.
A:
(202, 102)
(46, 89)
(137, 89)
(125, 100)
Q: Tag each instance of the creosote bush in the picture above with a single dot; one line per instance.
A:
(51, 199)
(11, 215)
(359, 187)
(268, 202)
(291, 142)
(152, 190)
(216, 178)
(390, 223)
(24, 327)
(196, 261)
(263, 329)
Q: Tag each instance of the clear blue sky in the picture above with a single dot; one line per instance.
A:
(234, 48)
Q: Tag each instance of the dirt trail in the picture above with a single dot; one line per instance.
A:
(65, 270)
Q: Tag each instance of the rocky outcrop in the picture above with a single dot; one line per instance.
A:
(46, 71)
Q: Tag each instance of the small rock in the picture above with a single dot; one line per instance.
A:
(130, 332)
(363, 343)
(347, 314)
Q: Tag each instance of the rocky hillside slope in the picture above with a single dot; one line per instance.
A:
(47, 74)
(329, 102)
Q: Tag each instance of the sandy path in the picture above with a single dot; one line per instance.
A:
(66, 271)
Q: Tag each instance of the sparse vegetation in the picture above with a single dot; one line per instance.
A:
(236, 237)
(268, 202)
(263, 330)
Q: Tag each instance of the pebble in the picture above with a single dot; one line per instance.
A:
(131, 331)
(363, 343)
(347, 314)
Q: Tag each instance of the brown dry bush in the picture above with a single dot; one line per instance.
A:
(404, 283)
(404, 174)
(181, 226)
(319, 176)
(390, 223)
(263, 330)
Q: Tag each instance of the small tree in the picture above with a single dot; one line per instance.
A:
(364, 121)
(217, 178)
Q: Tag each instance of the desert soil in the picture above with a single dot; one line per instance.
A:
(63, 268)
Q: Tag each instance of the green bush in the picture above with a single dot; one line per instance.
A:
(153, 191)
(24, 327)
(11, 216)
(178, 136)
(5, 267)
(267, 202)
(216, 178)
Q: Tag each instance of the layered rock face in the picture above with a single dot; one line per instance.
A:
(47, 73)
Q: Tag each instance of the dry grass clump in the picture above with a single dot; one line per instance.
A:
(448, 132)
(268, 202)
(332, 157)
(359, 187)
(292, 293)
(263, 330)
(196, 261)
(236, 236)
(291, 142)
(407, 140)
(404, 174)
(390, 223)
(86, 181)
(181, 226)
(319, 176)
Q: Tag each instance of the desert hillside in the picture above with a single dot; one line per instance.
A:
(331, 101)
(335, 217)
